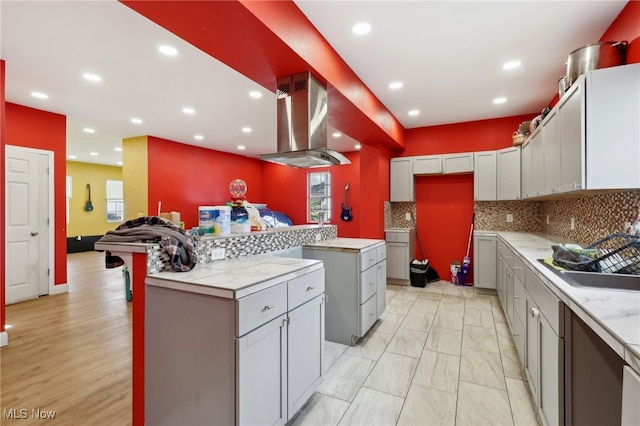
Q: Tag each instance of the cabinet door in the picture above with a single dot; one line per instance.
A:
(398, 260)
(508, 185)
(526, 171)
(500, 279)
(572, 138)
(484, 261)
(508, 293)
(381, 291)
(484, 176)
(427, 165)
(401, 179)
(368, 315)
(551, 153)
(537, 163)
(368, 284)
(305, 352)
(262, 374)
(457, 163)
(551, 357)
(532, 349)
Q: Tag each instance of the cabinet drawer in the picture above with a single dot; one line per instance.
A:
(519, 300)
(519, 268)
(427, 165)
(548, 303)
(506, 253)
(260, 307)
(368, 283)
(457, 163)
(368, 315)
(368, 259)
(305, 288)
(381, 253)
(396, 236)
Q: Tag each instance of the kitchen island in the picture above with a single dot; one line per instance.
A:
(356, 281)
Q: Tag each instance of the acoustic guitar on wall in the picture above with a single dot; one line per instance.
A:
(88, 206)
(346, 209)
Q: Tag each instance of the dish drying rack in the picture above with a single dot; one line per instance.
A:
(617, 254)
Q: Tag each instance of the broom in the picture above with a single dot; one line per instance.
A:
(466, 262)
(432, 274)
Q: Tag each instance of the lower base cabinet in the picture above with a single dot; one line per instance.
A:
(484, 259)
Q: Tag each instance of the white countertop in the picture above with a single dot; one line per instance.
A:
(235, 278)
(613, 314)
(345, 244)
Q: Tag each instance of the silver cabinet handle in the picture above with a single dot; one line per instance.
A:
(33, 234)
(372, 283)
(310, 288)
(516, 297)
(268, 307)
(534, 312)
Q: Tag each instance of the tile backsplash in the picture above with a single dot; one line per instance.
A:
(594, 216)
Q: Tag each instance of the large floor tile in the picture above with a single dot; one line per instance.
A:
(452, 303)
(427, 295)
(332, 351)
(426, 305)
(371, 346)
(482, 303)
(425, 406)
(409, 294)
(448, 319)
(320, 410)
(511, 362)
(388, 322)
(373, 408)
(438, 371)
(498, 314)
(480, 338)
(478, 318)
(420, 321)
(504, 334)
(408, 342)
(392, 374)
(482, 368)
(521, 403)
(399, 305)
(452, 290)
(444, 340)
(346, 377)
(480, 405)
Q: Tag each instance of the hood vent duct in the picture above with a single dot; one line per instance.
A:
(302, 124)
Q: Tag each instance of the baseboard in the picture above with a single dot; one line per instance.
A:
(81, 243)
(59, 289)
(4, 338)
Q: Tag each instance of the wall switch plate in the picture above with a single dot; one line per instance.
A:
(509, 217)
(407, 216)
(573, 224)
(318, 237)
(217, 254)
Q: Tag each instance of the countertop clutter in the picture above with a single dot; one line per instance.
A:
(614, 315)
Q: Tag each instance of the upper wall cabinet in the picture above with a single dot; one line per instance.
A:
(427, 165)
(401, 182)
(484, 176)
(457, 163)
(508, 173)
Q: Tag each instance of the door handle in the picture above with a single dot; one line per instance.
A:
(33, 234)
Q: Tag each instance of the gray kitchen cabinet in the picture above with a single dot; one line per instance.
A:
(381, 290)
(427, 165)
(508, 173)
(484, 176)
(351, 287)
(572, 148)
(484, 261)
(526, 170)
(401, 179)
(401, 250)
(630, 397)
(537, 162)
(457, 163)
(551, 153)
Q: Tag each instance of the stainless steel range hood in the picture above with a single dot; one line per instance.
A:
(302, 124)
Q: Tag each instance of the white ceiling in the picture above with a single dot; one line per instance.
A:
(448, 54)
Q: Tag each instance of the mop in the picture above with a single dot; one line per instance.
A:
(466, 263)
(432, 275)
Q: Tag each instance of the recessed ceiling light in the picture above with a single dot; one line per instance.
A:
(255, 94)
(499, 100)
(358, 146)
(361, 28)
(198, 137)
(95, 78)
(336, 134)
(88, 130)
(72, 157)
(168, 50)
(511, 65)
(188, 110)
(395, 85)
(39, 95)
(246, 129)
(119, 163)
(414, 112)
(95, 154)
(118, 149)
(241, 147)
(136, 120)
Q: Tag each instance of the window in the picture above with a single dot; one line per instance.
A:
(115, 201)
(319, 185)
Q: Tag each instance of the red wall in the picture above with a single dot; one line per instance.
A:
(2, 207)
(185, 177)
(32, 128)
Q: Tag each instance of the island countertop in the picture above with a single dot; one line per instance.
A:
(345, 244)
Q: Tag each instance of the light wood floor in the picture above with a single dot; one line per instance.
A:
(71, 353)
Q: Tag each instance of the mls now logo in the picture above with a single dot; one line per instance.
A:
(23, 413)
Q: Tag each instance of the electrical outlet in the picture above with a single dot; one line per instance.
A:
(318, 237)
(547, 219)
(573, 224)
(217, 253)
(407, 216)
(509, 217)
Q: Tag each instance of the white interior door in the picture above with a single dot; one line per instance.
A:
(27, 234)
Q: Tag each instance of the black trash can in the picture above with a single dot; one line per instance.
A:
(418, 273)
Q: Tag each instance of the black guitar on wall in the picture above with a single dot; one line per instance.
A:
(88, 206)
(346, 209)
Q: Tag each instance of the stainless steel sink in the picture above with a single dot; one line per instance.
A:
(597, 279)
